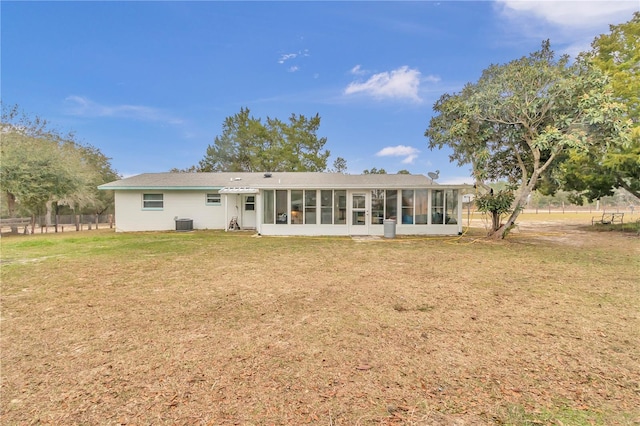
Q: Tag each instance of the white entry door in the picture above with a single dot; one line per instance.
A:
(358, 220)
(249, 211)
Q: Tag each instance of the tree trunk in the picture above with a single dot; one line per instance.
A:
(495, 222)
(629, 189)
(11, 204)
(518, 206)
(47, 215)
(11, 208)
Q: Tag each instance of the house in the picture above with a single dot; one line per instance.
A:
(288, 203)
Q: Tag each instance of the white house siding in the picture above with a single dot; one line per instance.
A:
(304, 230)
(131, 216)
(343, 230)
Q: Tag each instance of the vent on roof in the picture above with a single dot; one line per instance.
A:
(267, 175)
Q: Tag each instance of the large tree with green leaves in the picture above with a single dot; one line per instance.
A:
(249, 145)
(339, 166)
(42, 167)
(597, 172)
(522, 117)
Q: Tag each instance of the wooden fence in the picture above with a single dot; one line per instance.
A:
(61, 223)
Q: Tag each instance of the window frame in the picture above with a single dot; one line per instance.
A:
(340, 207)
(282, 206)
(437, 215)
(145, 206)
(326, 207)
(310, 206)
(451, 206)
(377, 206)
(211, 195)
(391, 204)
(249, 203)
(268, 207)
(407, 206)
(296, 206)
(421, 207)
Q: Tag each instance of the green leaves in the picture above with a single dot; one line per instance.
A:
(41, 166)
(520, 118)
(614, 162)
(247, 144)
(498, 202)
(495, 204)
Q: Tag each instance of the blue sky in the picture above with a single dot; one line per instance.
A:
(150, 83)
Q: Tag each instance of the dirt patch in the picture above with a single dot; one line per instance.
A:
(575, 231)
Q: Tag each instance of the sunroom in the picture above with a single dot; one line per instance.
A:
(360, 211)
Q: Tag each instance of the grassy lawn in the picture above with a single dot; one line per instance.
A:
(229, 328)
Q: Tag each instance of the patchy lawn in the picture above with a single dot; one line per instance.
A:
(229, 328)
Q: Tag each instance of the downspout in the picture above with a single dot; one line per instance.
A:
(258, 202)
(226, 214)
(460, 208)
(239, 198)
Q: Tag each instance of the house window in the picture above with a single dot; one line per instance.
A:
(299, 206)
(310, 200)
(377, 206)
(326, 207)
(451, 197)
(437, 207)
(214, 199)
(281, 207)
(407, 206)
(250, 203)
(391, 204)
(268, 207)
(340, 207)
(152, 201)
(384, 205)
(296, 207)
(420, 208)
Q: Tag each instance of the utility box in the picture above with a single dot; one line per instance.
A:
(184, 224)
(389, 228)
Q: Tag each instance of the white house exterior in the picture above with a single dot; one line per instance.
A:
(289, 203)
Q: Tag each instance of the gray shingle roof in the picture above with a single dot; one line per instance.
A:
(260, 181)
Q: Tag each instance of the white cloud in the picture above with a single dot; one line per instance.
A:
(401, 83)
(285, 57)
(573, 14)
(409, 159)
(432, 79)
(571, 23)
(357, 70)
(410, 153)
(398, 150)
(457, 180)
(82, 106)
(293, 68)
(288, 56)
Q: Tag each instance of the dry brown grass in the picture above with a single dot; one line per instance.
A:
(222, 329)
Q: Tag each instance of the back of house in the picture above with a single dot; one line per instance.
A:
(288, 203)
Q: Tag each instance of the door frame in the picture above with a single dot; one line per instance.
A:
(358, 229)
(249, 217)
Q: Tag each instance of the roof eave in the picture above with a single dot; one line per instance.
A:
(157, 188)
